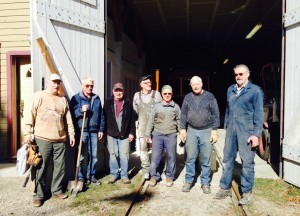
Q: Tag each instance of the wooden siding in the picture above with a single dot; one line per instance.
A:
(14, 33)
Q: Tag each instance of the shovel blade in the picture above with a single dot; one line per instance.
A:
(79, 186)
(71, 186)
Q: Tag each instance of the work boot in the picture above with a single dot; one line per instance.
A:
(152, 182)
(37, 203)
(146, 176)
(95, 181)
(223, 193)
(206, 188)
(246, 198)
(126, 180)
(60, 195)
(186, 187)
(112, 180)
(169, 182)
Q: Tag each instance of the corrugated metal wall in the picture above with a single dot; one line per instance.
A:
(291, 139)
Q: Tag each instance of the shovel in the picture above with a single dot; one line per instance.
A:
(76, 186)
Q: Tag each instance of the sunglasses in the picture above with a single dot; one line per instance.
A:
(238, 74)
(87, 86)
(167, 93)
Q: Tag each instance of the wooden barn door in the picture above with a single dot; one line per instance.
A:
(74, 35)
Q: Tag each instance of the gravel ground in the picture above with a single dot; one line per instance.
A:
(159, 200)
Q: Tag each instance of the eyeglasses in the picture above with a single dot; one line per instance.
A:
(238, 74)
(147, 83)
(91, 86)
(167, 93)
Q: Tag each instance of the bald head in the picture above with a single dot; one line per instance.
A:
(196, 84)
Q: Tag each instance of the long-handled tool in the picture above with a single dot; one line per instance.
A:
(76, 186)
(27, 176)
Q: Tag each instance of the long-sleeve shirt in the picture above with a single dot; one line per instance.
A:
(200, 111)
(164, 118)
(244, 112)
(48, 117)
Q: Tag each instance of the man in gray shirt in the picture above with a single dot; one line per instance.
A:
(164, 121)
(143, 102)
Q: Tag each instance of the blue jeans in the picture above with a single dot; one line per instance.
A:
(198, 140)
(238, 142)
(89, 143)
(118, 150)
(169, 143)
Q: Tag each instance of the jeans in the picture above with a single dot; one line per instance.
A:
(198, 140)
(52, 152)
(238, 142)
(89, 144)
(118, 151)
(159, 142)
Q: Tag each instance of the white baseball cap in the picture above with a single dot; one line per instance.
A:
(55, 76)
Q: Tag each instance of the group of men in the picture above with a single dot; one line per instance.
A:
(159, 120)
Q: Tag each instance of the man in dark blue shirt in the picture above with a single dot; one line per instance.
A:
(199, 121)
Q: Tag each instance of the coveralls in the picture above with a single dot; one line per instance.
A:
(244, 117)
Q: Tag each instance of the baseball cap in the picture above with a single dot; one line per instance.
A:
(55, 76)
(118, 86)
(145, 78)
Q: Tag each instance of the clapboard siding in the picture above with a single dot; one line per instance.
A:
(14, 32)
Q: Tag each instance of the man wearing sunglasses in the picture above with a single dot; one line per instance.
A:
(163, 124)
(199, 121)
(244, 124)
(89, 102)
(143, 103)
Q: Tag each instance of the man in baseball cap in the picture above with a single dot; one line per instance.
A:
(146, 77)
(143, 102)
(120, 132)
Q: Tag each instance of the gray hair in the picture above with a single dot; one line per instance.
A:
(87, 80)
(196, 78)
(241, 66)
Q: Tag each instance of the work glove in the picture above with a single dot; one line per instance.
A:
(148, 142)
(182, 135)
(34, 157)
(214, 136)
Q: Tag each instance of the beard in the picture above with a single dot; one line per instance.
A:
(239, 82)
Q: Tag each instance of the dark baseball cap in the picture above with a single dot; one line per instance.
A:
(145, 78)
(118, 86)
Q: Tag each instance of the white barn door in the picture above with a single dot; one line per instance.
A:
(74, 33)
(291, 129)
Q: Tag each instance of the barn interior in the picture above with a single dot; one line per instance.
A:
(183, 38)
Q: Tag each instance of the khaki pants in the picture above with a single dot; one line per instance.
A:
(52, 152)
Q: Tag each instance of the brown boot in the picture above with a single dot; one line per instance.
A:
(37, 203)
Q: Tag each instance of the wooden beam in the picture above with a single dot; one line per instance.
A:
(46, 55)
(48, 60)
